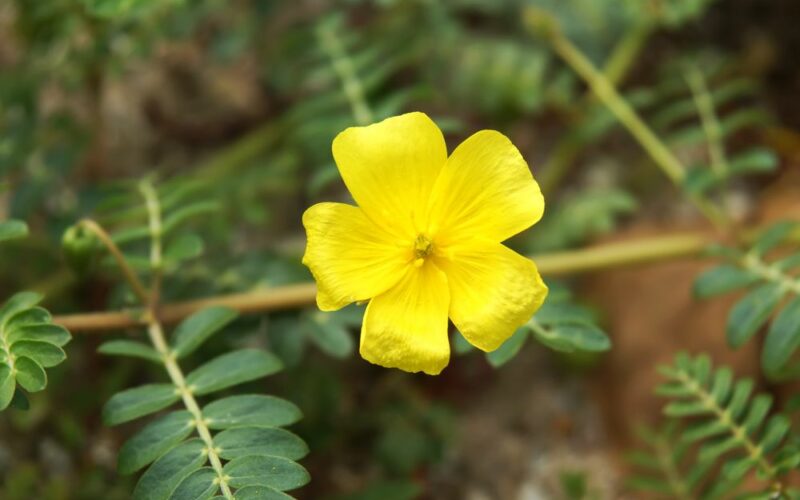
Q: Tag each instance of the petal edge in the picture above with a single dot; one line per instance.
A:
(406, 327)
(350, 258)
(493, 291)
(485, 190)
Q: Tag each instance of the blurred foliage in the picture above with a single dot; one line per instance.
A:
(700, 107)
(560, 325)
(768, 284)
(71, 69)
(581, 216)
(729, 436)
(252, 449)
(30, 343)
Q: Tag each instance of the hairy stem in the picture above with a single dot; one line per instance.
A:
(612, 255)
(708, 119)
(766, 272)
(156, 333)
(343, 66)
(664, 455)
(130, 276)
(608, 95)
(753, 450)
(569, 147)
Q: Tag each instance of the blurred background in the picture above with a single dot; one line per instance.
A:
(239, 100)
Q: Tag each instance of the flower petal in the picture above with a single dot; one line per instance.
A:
(493, 291)
(406, 327)
(350, 257)
(390, 167)
(485, 190)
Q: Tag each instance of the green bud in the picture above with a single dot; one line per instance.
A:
(81, 249)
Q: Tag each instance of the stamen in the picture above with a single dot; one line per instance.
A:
(422, 247)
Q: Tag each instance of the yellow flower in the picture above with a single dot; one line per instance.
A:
(424, 242)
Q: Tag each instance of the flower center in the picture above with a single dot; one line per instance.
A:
(423, 247)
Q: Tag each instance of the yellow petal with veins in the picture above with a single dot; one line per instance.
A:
(390, 168)
(493, 291)
(406, 327)
(351, 258)
(486, 191)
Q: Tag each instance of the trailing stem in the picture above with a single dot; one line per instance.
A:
(708, 119)
(156, 333)
(150, 301)
(739, 433)
(130, 276)
(664, 455)
(639, 251)
(569, 147)
(607, 256)
(607, 93)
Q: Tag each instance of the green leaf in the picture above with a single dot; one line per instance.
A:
(331, 338)
(30, 316)
(553, 313)
(161, 479)
(198, 327)
(751, 312)
(30, 374)
(237, 411)
(18, 302)
(573, 338)
(782, 339)
(261, 493)
(700, 179)
(130, 348)
(776, 430)
(7, 386)
(722, 279)
(12, 229)
(269, 441)
(199, 485)
(773, 237)
(274, 472)
(460, 344)
(187, 211)
(509, 348)
(154, 440)
(32, 343)
(138, 402)
(754, 161)
(788, 263)
(183, 247)
(231, 369)
(128, 235)
(44, 353)
(41, 332)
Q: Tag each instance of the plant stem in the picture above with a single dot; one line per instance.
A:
(612, 255)
(708, 119)
(608, 95)
(624, 253)
(569, 147)
(346, 72)
(154, 222)
(766, 272)
(626, 51)
(663, 451)
(156, 333)
(130, 276)
(737, 431)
